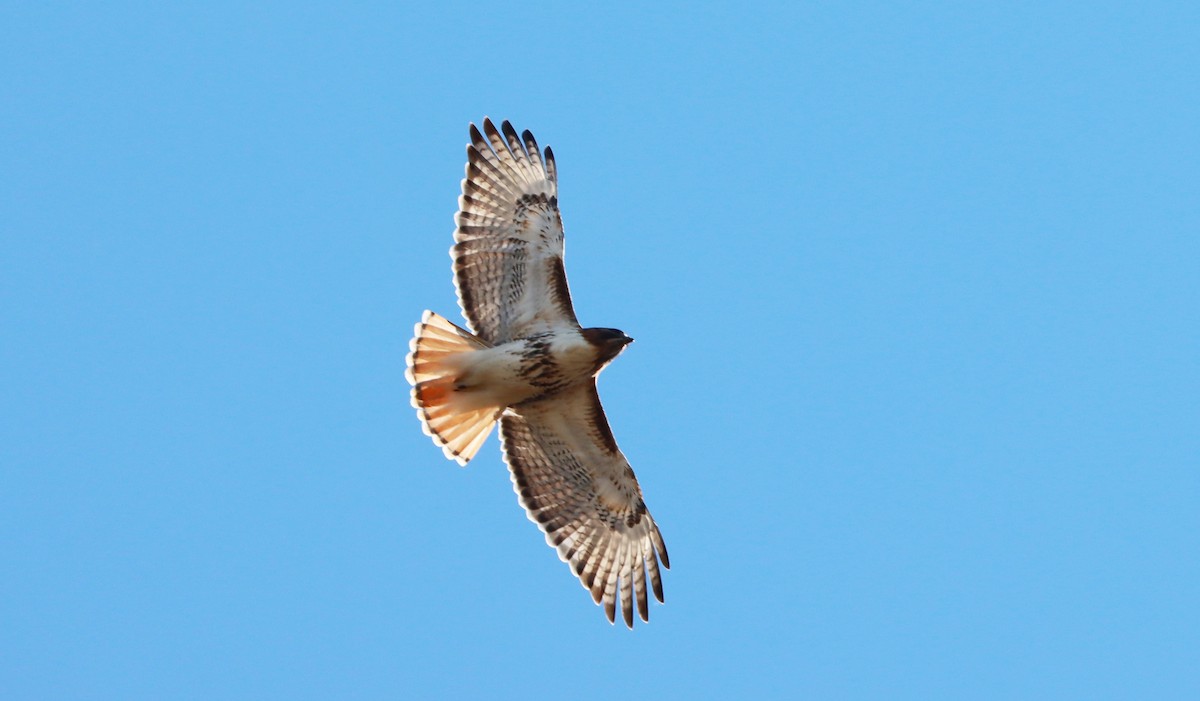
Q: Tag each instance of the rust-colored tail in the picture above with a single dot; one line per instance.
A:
(433, 367)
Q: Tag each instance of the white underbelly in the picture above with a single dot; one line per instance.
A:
(512, 373)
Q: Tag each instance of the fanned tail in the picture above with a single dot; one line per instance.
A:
(434, 364)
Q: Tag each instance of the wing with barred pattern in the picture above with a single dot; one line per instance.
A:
(508, 250)
(578, 487)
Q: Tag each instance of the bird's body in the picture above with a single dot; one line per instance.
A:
(524, 369)
(528, 364)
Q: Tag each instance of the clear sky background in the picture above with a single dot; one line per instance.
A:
(915, 395)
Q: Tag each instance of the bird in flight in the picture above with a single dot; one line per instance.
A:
(527, 363)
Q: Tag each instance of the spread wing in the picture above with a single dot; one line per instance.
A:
(508, 250)
(577, 486)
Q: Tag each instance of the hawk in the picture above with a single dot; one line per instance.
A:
(528, 364)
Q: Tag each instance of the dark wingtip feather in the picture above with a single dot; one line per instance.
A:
(627, 604)
(655, 577)
(660, 546)
(476, 136)
(514, 140)
(531, 147)
(493, 136)
(551, 168)
(639, 581)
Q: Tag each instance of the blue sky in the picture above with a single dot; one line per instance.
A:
(914, 398)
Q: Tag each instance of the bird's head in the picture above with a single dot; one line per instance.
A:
(608, 344)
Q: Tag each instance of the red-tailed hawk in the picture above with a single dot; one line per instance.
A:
(528, 364)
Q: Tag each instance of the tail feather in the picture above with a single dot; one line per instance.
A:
(433, 368)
